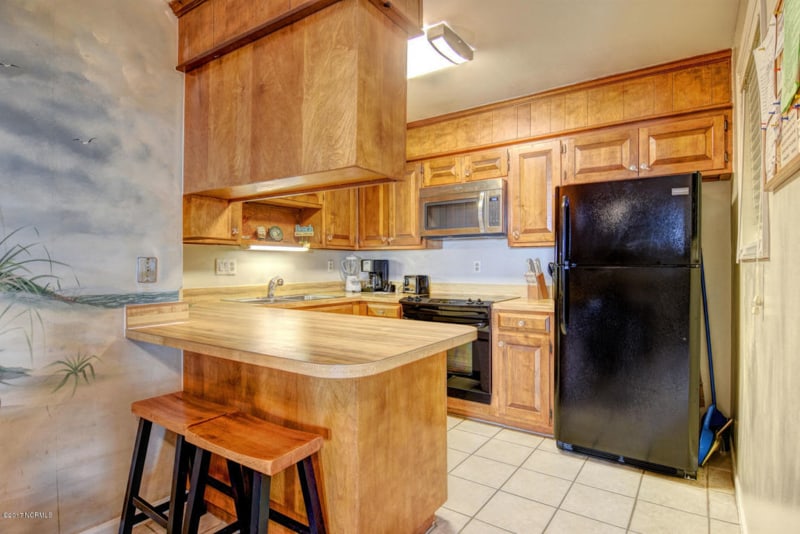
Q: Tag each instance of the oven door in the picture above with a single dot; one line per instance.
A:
(469, 369)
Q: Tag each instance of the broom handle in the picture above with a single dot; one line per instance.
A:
(708, 330)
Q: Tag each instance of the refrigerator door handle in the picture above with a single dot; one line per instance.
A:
(563, 297)
(566, 232)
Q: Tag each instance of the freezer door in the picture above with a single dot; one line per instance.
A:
(627, 364)
(650, 221)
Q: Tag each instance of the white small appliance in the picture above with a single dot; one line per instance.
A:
(351, 267)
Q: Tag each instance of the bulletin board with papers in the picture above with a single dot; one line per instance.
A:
(777, 61)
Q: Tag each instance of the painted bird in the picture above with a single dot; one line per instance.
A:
(81, 141)
(8, 65)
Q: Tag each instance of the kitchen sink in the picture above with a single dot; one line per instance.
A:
(282, 298)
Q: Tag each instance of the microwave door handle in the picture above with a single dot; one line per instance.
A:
(481, 215)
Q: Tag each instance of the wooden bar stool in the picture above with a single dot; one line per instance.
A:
(255, 450)
(175, 412)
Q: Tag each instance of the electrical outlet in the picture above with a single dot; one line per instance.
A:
(146, 270)
(476, 266)
(330, 266)
(224, 266)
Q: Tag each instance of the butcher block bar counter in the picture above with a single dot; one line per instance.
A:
(374, 388)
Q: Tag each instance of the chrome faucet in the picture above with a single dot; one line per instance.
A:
(273, 283)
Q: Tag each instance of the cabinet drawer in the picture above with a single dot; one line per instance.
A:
(384, 310)
(523, 322)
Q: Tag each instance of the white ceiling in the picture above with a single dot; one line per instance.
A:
(527, 46)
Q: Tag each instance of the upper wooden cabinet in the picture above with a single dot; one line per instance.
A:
(405, 13)
(212, 221)
(480, 165)
(339, 219)
(656, 148)
(388, 214)
(319, 103)
(535, 172)
(701, 83)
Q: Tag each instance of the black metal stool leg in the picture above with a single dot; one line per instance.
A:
(308, 483)
(259, 503)
(180, 471)
(241, 495)
(135, 476)
(195, 505)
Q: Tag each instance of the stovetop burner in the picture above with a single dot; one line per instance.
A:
(455, 300)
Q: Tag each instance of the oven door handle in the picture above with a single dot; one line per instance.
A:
(481, 214)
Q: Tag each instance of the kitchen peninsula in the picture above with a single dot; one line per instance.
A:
(373, 388)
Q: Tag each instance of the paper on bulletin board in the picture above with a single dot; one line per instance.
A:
(791, 52)
(764, 59)
(789, 137)
(770, 147)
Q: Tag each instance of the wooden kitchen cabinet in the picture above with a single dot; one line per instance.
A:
(656, 148)
(481, 165)
(535, 172)
(382, 309)
(339, 219)
(405, 13)
(347, 308)
(208, 220)
(388, 214)
(522, 359)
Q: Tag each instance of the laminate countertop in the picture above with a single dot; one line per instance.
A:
(324, 345)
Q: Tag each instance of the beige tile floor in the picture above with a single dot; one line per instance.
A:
(502, 480)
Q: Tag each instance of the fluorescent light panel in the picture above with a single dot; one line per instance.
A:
(279, 248)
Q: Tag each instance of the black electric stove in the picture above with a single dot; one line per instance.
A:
(469, 367)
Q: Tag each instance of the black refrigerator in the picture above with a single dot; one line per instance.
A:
(628, 304)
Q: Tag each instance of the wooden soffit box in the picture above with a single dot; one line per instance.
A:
(701, 83)
(317, 104)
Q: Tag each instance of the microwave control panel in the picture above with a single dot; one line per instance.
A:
(495, 210)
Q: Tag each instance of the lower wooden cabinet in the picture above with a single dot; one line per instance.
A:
(381, 309)
(347, 308)
(523, 369)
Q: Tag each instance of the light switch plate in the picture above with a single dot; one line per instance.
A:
(146, 270)
(225, 266)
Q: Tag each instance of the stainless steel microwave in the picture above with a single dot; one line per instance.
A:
(472, 209)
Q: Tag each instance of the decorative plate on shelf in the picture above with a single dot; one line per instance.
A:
(275, 233)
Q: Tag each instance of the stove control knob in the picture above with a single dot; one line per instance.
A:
(469, 300)
(479, 301)
(417, 299)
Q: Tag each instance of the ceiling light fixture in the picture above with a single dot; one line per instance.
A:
(448, 43)
(438, 48)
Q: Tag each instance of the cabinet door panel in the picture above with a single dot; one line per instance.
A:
(612, 155)
(535, 171)
(374, 215)
(525, 385)
(440, 171)
(405, 209)
(339, 213)
(683, 146)
(486, 164)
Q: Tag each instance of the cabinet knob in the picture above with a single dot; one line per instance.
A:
(521, 323)
(633, 168)
(235, 231)
(390, 239)
(515, 234)
(330, 237)
(467, 171)
(381, 312)
(644, 167)
(383, 239)
(501, 344)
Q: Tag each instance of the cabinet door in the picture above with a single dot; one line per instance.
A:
(678, 146)
(374, 215)
(339, 214)
(524, 385)
(211, 220)
(405, 209)
(441, 171)
(347, 308)
(535, 171)
(486, 164)
(600, 157)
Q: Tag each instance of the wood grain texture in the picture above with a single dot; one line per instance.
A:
(178, 411)
(535, 172)
(699, 83)
(260, 445)
(382, 466)
(156, 314)
(306, 342)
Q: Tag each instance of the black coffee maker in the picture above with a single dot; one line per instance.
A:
(378, 274)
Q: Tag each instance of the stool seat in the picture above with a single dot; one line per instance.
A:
(255, 450)
(260, 445)
(178, 411)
